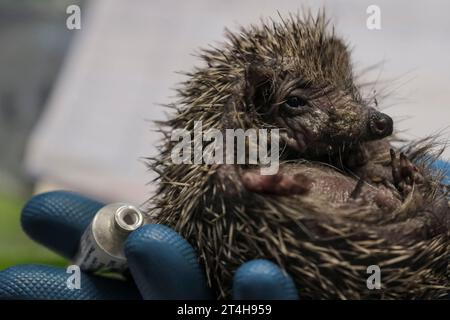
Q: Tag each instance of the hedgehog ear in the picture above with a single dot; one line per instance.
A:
(258, 85)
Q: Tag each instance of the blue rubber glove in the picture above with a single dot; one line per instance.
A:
(162, 264)
(445, 167)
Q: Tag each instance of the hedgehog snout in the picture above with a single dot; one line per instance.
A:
(380, 125)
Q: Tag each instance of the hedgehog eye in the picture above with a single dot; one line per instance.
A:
(296, 102)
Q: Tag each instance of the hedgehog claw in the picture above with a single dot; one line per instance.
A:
(404, 173)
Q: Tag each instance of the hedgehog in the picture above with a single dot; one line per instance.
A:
(344, 197)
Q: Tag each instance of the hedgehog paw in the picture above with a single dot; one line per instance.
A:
(404, 173)
(277, 184)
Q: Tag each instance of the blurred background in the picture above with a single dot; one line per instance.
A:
(76, 105)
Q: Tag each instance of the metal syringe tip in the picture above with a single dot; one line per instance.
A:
(128, 218)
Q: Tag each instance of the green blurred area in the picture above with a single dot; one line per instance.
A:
(15, 246)
(33, 40)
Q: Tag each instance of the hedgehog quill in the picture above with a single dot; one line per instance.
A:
(343, 199)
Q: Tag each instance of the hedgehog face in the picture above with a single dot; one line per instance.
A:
(314, 118)
(320, 121)
(300, 80)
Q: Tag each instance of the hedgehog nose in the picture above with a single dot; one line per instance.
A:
(380, 124)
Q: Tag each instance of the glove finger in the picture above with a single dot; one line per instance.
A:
(51, 283)
(164, 265)
(263, 280)
(58, 219)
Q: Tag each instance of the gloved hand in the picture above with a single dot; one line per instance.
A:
(162, 264)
